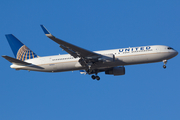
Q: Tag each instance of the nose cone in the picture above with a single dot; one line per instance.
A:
(176, 52)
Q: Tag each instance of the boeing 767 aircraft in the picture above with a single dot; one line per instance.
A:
(111, 62)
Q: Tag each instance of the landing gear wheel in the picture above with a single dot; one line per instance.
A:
(93, 77)
(164, 66)
(164, 61)
(97, 78)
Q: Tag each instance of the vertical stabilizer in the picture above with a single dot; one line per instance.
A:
(21, 51)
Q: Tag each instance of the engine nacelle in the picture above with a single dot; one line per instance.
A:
(116, 71)
(107, 58)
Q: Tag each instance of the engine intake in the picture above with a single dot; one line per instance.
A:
(116, 71)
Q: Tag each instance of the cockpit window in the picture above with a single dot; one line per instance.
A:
(170, 48)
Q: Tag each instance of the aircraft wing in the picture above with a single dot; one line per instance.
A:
(73, 50)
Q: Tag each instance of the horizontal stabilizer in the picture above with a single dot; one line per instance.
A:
(15, 61)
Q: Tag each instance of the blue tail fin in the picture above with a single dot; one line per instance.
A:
(21, 52)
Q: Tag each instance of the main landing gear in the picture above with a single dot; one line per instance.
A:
(95, 77)
(164, 66)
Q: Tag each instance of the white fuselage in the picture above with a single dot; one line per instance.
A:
(123, 56)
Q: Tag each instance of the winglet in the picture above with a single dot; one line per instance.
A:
(47, 33)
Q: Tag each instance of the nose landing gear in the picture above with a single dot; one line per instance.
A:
(164, 66)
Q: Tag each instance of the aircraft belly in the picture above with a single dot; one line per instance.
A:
(64, 66)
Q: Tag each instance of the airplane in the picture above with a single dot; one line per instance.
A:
(111, 62)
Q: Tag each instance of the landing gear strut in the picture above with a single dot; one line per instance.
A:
(164, 61)
(95, 77)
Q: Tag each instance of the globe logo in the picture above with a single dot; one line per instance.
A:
(24, 53)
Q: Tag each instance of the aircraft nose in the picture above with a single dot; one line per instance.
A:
(176, 53)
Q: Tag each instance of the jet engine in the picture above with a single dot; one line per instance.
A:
(116, 71)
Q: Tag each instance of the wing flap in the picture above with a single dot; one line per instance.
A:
(72, 53)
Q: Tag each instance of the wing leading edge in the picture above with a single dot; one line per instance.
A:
(73, 50)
